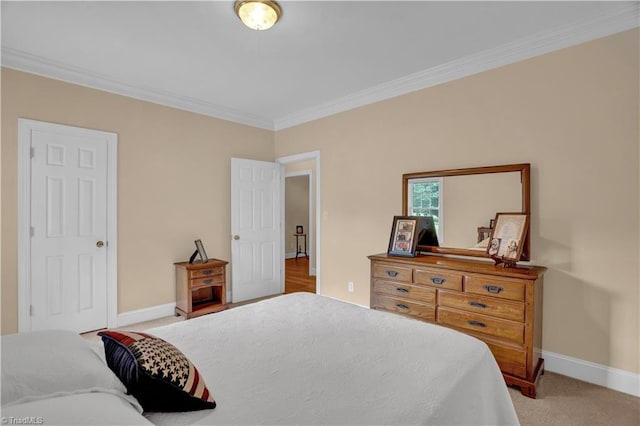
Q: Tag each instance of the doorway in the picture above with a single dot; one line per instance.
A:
(302, 274)
(298, 202)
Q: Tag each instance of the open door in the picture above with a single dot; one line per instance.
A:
(256, 255)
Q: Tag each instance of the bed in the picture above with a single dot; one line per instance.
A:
(308, 359)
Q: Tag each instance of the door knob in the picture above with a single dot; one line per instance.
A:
(100, 244)
(236, 237)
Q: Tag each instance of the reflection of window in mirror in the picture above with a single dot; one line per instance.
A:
(425, 199)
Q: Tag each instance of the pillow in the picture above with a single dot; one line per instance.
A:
(77, 409)
(155, 372)
(39, 364)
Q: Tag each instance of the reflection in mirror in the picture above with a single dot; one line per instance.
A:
(472, 201)
(463, 203)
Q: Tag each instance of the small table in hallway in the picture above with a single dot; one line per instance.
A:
(298, 247)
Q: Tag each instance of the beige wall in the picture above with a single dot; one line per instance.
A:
(572, 114)
(173, 181)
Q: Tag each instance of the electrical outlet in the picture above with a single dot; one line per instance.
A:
(350, 286)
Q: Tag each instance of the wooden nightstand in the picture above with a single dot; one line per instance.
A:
(200, 287)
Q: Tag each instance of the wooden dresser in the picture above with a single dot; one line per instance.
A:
(500, 306)
(200, 287)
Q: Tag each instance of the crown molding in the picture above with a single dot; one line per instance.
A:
(22, 61)
(625, 18)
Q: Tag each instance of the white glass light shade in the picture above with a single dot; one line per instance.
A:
(258, 15)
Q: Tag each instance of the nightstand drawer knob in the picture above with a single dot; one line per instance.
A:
(402, 290)
(207, 272)
(477, 304)
(492, 288)
(392, 273)
(476, 323)
(437, 280)
(209, 281)
(402, 306)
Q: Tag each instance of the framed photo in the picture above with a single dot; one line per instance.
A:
(507, 237)
(404, 236)
(299, 229)
(201, 252)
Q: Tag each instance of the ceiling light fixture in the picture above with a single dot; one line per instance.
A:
(258, 14)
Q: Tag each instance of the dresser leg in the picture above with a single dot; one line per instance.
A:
(527, 388)
(529, 391)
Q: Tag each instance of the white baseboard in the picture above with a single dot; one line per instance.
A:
(609, 377)
(146, 314)
(290, 255)
(312, 272)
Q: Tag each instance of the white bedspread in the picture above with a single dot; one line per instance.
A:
(307, 359)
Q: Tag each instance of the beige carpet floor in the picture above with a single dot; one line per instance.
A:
(560, 401)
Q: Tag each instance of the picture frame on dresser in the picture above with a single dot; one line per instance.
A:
(507, 237)
(404, 236)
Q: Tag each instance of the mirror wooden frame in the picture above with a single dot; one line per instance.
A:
(525, 179)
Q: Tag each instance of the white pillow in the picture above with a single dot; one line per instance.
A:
(80, 409)
(40, 364)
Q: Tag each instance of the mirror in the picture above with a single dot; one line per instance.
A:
(464, 202)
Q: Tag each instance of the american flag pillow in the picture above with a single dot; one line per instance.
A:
(155, 372)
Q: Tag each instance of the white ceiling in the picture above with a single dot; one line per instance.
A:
(322, 57)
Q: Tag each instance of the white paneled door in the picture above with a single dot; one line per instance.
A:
(68, 264)
(256, 257)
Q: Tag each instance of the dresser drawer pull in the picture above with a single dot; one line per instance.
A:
(402, 290)
(401, 306)
(207, 272)
(477, 304)
(209, 281)
(476, 323)
(493, 288)
(392, 273)
(437, 280)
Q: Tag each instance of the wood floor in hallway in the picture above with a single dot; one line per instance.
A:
(297, 276)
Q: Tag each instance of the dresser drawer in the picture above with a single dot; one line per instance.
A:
(401, 306)
(407, 291)
(206, 272)
(392, 272)
(438, 278)
(504, 329)
(495, 287)
(206, 281)
(483, 305)
(510, 360)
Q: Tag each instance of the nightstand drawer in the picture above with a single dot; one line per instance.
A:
(392, 272)
(483, 305)
(495, 287)
(401, 306)
(206, 272)
(206, 281)
(407, 291)
(504, 329)
(439, 279)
